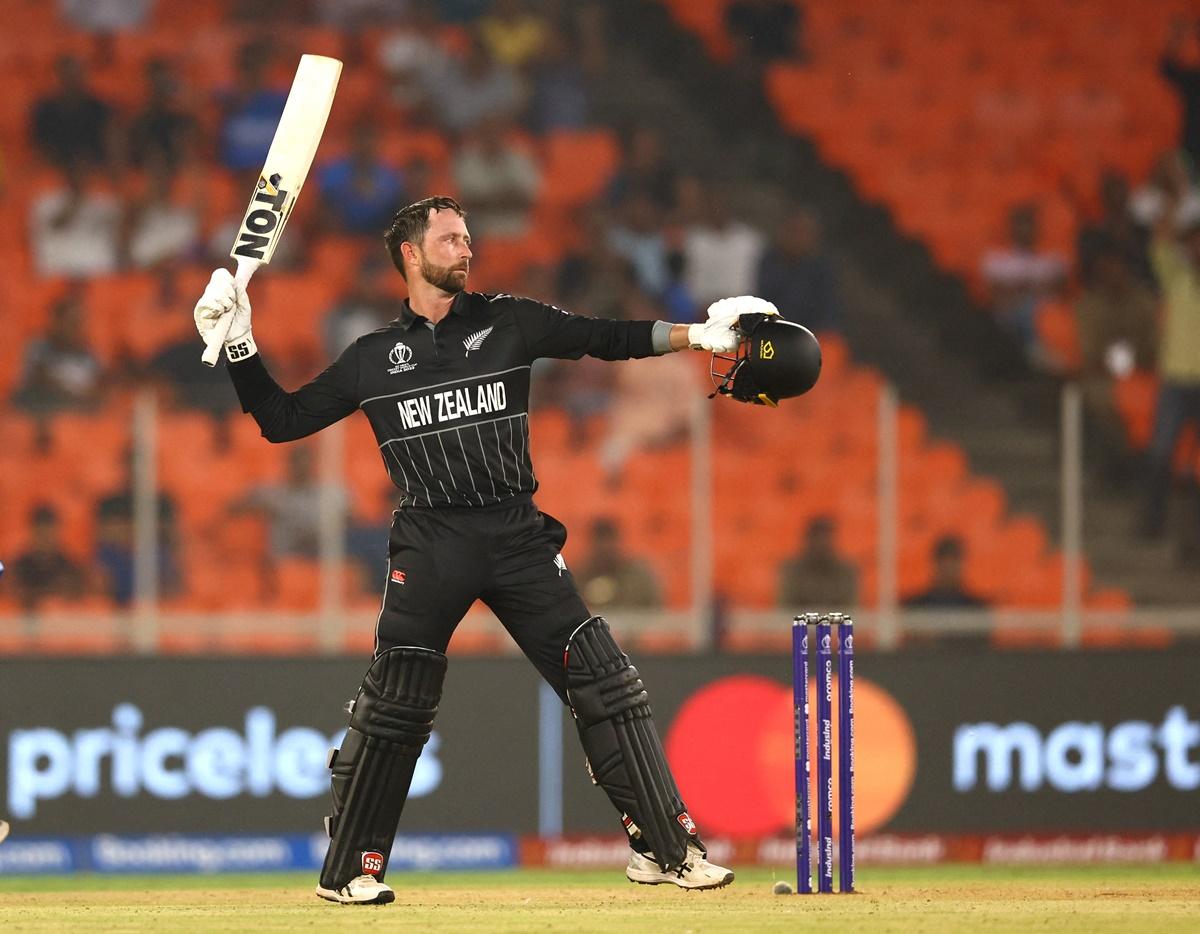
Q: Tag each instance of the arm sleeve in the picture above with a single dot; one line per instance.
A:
(286, 416)
(552, 332)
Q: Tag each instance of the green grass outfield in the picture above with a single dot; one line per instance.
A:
(935, 899)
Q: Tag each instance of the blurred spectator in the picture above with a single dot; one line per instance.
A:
(514, 32)
(268, 14)
(497, 178)
(764, 30)
(947, 590)
(73, 127)
(359, 191)
(250, 111)
(413, 56)
(1186, 79)
(589, 23)
(202, 388)
(680, 306)
(75, 232)
(466, 92)
(353, 15)
(362, 308)
(644, 170)
(60, 371)
(610, 578)
(817, 578)
(1169, 187)
(558, 88)
(461, 11)
(798, 277)
(105, 16)
(1020, 276)
(160, 228)
(115, 541)
(1117, 321)
(689, 201)
(1177, 265)
(421, 176)
(582, 390)
(589, 272)
(637, 237)
(45, 569)
(293, 507)
(541, 279)
(590, 282)
(722, 252)
(1115, 228)
(162, 133)
(651, 405)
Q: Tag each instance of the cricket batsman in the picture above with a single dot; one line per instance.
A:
(446, 389)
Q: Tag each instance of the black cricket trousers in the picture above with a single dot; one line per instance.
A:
(442, 560)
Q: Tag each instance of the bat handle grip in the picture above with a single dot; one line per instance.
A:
(212, 350)
(245, 269)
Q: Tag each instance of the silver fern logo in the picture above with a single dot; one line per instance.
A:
(475, 341)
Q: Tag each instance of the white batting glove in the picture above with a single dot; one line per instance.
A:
(224, 297)
(730, 309)
(714, 336)
(719, 333)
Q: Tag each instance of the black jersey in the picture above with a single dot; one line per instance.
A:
(449, 403)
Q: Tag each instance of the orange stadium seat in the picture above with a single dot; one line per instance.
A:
(226, 582)
(336, 260)
(981, 141)
(1009, 73)
(407, 145)
(192, 17)
(295, 329)
(577, 165)
(297, 584)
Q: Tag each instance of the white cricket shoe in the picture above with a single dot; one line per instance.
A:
(361, 890)
(696, 872)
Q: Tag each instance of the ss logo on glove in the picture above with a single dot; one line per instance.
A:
(238, 351)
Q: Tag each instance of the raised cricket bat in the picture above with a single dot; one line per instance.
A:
(288, 161)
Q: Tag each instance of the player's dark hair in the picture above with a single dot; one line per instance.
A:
(409, 225)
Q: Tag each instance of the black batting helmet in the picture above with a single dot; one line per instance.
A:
(777, 359)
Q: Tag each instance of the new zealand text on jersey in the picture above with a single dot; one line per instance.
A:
(453, 404)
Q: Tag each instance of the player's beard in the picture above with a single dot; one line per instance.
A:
(450, 279)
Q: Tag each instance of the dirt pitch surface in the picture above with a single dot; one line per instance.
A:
(944, 898)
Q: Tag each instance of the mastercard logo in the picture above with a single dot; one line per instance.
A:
(732, 750)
